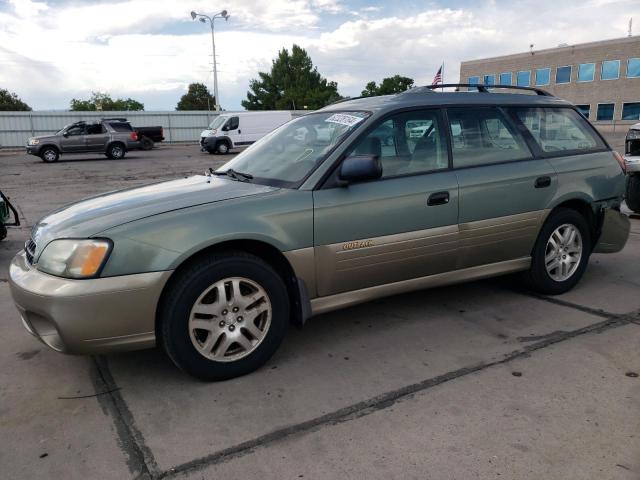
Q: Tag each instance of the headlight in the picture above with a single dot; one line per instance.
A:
(74, 258)
(633, 135)
(212, 133)
(34, 141)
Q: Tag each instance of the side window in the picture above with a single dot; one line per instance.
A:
(481, 136)
(407, 143)
(233, 123)
(95, 129)
(121, 127)
(558, 129)
(76, 130)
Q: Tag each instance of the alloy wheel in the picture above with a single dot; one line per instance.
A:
(563, 252)
(230, 319)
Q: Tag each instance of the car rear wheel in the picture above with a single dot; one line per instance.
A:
(561, 253)
(222, 148)
(116, 151)
(224, 316)
(633, 193)
(146, 143)
(49, 155)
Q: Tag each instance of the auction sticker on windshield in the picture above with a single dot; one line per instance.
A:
(344, 119)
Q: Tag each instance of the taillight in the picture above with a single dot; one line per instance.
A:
(161, 131)
(134, 136)
(620, 159)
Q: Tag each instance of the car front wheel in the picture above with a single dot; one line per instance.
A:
(222, 148)
(224, 316)
(561, 253)
(49, 155)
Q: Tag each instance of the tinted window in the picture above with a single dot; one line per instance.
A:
(121, 127)
(586, 72)
(563, 74)
(505, 78)
(605, 111)
(408, 142)
(482, 136)
(489, 79)
(558, 129)
(95, 129)
(610, 70)
(543, 75)
(76, 130)
(233, 123)
(633, 68)
(584, 109)
(631, 111)
(523, 79)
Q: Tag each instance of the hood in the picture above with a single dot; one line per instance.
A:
(46, 137)
(95, 214)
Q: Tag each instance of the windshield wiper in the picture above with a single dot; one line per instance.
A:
(242, 177)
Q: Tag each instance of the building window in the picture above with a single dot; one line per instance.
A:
(633, 68)
(586, 72)
(605, 111)
(563, 74)
(610, 70)
(631, 111)
(505, 78)
(584, 109)
(523, 78)
(490, 79)
(543, 75)
(473, 81)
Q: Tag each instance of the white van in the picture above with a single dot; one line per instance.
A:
(237, 129)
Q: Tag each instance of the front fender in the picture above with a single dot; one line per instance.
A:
(283, 219)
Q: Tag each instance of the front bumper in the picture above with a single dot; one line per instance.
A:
(33, 150)
(87, 316)
(632, 163)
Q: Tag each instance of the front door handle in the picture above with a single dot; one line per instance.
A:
(439, 198)
(543, 182)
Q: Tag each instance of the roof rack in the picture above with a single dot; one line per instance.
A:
(485, 88)
(114, 119)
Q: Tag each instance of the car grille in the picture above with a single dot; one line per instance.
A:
(30, 250)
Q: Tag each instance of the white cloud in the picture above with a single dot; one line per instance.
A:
(127, 47)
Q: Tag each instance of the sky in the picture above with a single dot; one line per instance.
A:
(150, 50)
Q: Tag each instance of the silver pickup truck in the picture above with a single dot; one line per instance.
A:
(112, 137)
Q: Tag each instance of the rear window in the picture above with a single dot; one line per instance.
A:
(121, 126)
(559, 129)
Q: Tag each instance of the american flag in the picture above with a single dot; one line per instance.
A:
(438, 78)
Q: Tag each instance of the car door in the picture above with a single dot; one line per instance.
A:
(232, 130)
(399, 227)
(504, 191)
(96, 138)
(73, 139)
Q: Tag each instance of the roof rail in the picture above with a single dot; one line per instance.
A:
(114, 119)
(485, 88)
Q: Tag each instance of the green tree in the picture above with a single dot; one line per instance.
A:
(389, 85)
(292, 83)
(9, 102)
(103, 101)
(197, 98)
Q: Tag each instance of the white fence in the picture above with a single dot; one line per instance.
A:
(179, 126)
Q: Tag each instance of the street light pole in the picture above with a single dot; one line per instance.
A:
(203, 19)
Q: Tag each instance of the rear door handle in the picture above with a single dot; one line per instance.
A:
(439, 198)
(542, 182)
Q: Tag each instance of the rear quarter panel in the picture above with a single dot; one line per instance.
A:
(590, 177)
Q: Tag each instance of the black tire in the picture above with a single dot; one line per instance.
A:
(49, 154)
(184, 291)
(3, 232)
(537, 277)
(146, 143)
(222, 147)
(633, 192)
(116, 151)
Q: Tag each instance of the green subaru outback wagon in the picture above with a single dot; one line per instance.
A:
(322, 213)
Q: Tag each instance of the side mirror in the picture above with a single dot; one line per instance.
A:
(65, 134)
(358, 168)
(225, 128)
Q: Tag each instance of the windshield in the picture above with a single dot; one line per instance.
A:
(217, 122)
(287, 155)
(61, 131)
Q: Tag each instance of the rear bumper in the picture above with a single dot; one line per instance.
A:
(614, 233)
(632, 163)
(87, 316)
